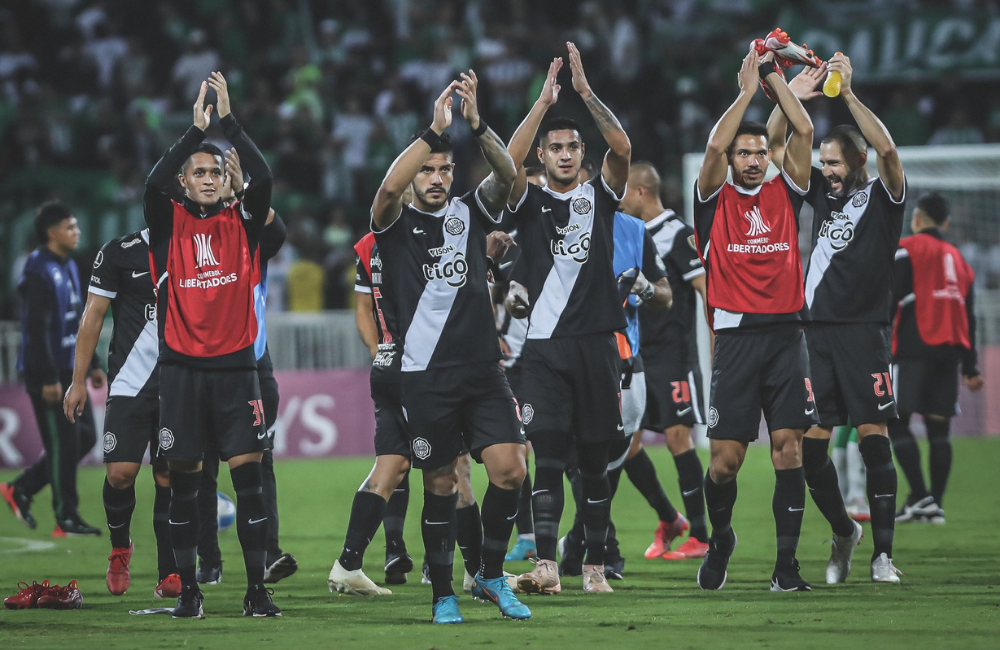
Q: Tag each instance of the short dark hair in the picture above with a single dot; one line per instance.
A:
(49, 214)
(747, 127)
(556, 124)
(853, 145)
(444, 143)
(204, 147)
(934, 206)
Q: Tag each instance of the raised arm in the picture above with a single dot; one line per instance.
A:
(86, 344)
(616, 161)
(890, 169)
(495, 188)
(389, 198)
(797, 161)
(715, 167)
(157, 207)
(803, 86)
(523, 140)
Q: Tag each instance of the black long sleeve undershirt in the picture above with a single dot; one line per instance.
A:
(39, 305)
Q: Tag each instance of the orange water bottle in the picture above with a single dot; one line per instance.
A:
(831, 87)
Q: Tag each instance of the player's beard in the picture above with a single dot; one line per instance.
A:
(750, 182)
(852, 181)
(434, 201)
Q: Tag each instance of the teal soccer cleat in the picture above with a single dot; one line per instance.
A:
(446, 611)
(523, 550)
(498, 591)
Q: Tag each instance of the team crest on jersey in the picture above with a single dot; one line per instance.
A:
(203, 251)
(581, 205)
(454, 226)
(421, 448)
(713, 418)
(99, 259)
(527, 413)
(859, 199)
(166, 438)
(110, 442)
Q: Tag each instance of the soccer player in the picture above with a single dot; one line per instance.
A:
(673, 376)
(50, 317)
(935, 331)
(747, 236)
(571, 383)
(434, 265)
(121, 281)
(848, 290)
(202, 259)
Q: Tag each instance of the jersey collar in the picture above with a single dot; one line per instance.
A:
(742, 190)
(663, 216)
(440, 213)
(562, 196)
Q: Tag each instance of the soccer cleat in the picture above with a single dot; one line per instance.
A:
(467, 582)
(281, 568)
(594, 580)
(425, 574)
(257, 602)
(614, 565)
(169, 587)
(68, 597)
(523, 549)
(858, 510)
(936, 518)
(841, 552)
(209, 575)
(918, 511)
(571, 553)
(884, 571)
(785, 50)
(445, 611)
(74, 527)
(354, 583)
(787, 578)
(665, 535)
(20, 504)
(397, 565)
(543, 579)
(691, 548)
(118, 577)
(28, 595)
(713, 571)
(189, 603)
(498, 592)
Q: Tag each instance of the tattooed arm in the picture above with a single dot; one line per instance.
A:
(616, 162)
(492, 192)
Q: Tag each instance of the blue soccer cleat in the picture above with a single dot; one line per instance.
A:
(523, 550)
(446, 611)
(498, 591)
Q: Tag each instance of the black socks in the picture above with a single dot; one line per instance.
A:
(251, 519)
(821, 477)
(366, 516)
(119, 506)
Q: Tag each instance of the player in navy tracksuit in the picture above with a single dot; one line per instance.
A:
(50, 289)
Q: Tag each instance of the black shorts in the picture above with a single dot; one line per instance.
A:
(926, 386)
(390, 425)
(515, 376)
(572, 386)
(849, 365)
(210, 411)
(764, 368)
(673, 394)
(446, 408)
(131, 425)
(269, 398)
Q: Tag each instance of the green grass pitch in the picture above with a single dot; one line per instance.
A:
(950, 596)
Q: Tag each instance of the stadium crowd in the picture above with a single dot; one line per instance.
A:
(91, 91)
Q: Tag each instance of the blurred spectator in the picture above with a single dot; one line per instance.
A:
(958, 130)
(195, 64)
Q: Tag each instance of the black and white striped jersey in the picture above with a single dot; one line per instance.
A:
(434, 272)
(671, 332)
(121, 273)
(566, 263)
(854, 240)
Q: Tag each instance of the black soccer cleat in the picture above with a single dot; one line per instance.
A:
(74, 527)
(209, 575)
(189, 603)
(258, 603)
(614, 565)
(713, 571)
(787, 578)
(280, 569)
(571, 553)
(20, 504)
(397, 565)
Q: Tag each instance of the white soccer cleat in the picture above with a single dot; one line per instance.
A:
(543, 579)
(353, 583)
(884, 571)
(594, 581)
(841, 552)
(467, 582)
